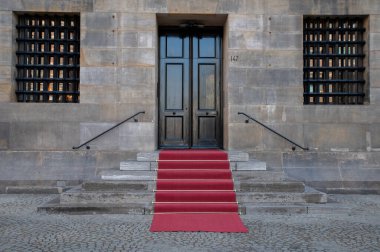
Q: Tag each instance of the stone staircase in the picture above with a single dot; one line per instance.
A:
(130, 189)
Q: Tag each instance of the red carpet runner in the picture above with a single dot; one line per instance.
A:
(195, 192)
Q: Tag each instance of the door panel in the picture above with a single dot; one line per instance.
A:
(206, 91)
(174, 128)
(174, 91)
(175, 46)
(174, 99)
(189, 90)
(174, 86)
(207, 86)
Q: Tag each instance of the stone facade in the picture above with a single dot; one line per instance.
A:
(119, 75)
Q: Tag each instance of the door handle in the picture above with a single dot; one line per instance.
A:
(174, 113)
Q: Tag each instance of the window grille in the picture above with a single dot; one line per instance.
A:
(334, 60)
(48, 58)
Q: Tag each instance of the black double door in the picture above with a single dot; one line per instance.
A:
(190, 89)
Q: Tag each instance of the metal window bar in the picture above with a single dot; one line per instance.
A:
(48, 58)
(333, 60)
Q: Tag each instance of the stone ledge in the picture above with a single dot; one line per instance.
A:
(272, 197)
(55, 207)
(33, 190)
(79, 197)
(115, 186)
(135, 165)
(147, 156)
(269, 186)
(233, 156)
(128, 177)
(276, 209)
(255, 176)
(251, 165)
(352, 191)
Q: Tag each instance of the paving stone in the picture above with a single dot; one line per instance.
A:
(351, 223)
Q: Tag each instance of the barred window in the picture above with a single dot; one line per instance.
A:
(334, 60)
(48, 58)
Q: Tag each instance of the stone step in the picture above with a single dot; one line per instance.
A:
(270, 186)
(137, 165)
(150, 185)
(249, 176)
(54, 207)
(263, 195)
(117, 186)
(33, 190)
(149, 209)
(78, 196)
(251, 165)
(279, 197)
(275, 208)
(150, 175)
(330, 190)
(128, 175)
(233, 156)
(296, 208)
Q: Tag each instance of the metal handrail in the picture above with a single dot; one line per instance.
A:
(275, 132)
(104, 132)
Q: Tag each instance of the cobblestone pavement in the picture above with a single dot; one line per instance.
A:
(355, 229)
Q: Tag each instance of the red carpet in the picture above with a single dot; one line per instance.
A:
(195, 192)
(205, 222)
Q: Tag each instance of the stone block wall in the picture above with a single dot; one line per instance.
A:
(266, 82)
(119, 74)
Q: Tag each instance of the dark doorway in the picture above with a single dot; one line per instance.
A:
(190, 88)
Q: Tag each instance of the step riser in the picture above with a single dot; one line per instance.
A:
(258, 176)
(149, 174)
(243, 210)
(33, 190)
(137, 166)
(191, 174)
(149, 186)
(202, 196)
(118, 187)
(254, 210)
(195, 187)
(150, 210)
(297, 187)
(129, 176)
(105, 198)
(251, 165)
(281, 198)
(81, 210)
(233, 156)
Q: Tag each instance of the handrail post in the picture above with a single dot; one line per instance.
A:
(106, 131)
(273, 131)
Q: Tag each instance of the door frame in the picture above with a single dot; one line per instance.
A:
(191, 31)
